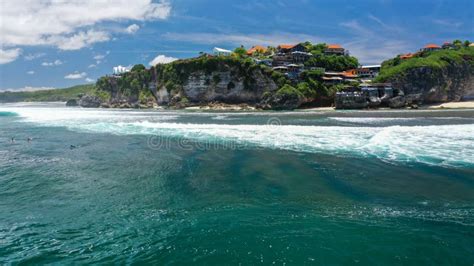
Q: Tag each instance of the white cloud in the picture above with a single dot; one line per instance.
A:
(162, 59)
(30, 57)
(31, 72)
(76, 75)
(89, 80)
(69, 25)
(56, 62)
(92, 65)
(99, 57)
(28, 88)
(9, 55)
(132, 29)
(78, 40)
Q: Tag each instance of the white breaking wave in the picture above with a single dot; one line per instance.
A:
(372, 120)
(448, 145)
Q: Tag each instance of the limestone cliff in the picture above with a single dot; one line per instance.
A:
(441, 76)
(225, 81)
(452, 83)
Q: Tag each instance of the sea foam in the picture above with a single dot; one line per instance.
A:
(445, 145)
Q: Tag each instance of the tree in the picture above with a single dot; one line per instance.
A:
(240, 51)
(138, 67)
(457, 43)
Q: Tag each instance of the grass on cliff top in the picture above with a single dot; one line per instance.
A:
(435, 59)
(55, 95)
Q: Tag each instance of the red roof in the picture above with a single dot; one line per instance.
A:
(256, 48)
(431, 46)
(406, 56)
(351, 73)
(286, 46)
(334, 46)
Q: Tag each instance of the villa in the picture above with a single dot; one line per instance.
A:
(255, 49)
(406, 56)
(120, 70)
(430, 47)
(448, 45)
(330, 77)
(367, 95)
(289, 48)
(300, 57)
(221, 52)
(290, 54)
(335, 49)
(370, 71)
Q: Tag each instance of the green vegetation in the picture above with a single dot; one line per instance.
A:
(333, 62)
(133, 84)
(175, 74)
(288, 91)
(329, 62)
(435, 60)
(240, 51)
(56, 95)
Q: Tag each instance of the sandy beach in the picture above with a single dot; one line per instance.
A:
(453, 105)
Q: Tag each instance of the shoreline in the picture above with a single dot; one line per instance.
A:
(245, 107)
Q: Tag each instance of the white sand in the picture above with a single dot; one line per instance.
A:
(453, 105)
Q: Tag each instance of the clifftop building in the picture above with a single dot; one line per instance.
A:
(335, 49)
(120, 70)
(257, 48)
(430, 47)
(221, 52)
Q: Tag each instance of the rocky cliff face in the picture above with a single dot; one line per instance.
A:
(455, 82)
(224, 85)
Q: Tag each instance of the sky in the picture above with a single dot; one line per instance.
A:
(56, 44)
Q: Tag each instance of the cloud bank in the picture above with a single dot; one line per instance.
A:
(162, 59)
(76, 75)
(69, 25)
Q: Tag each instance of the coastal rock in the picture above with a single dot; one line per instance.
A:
(226, 83)
(89, 101)
(282, 101)
(397, 102)
(453, 82)
(72, 103)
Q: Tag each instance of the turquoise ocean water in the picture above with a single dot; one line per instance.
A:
(283, 188)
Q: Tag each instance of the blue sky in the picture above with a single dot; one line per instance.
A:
(47, 45)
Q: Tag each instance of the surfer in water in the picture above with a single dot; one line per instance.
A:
(12, 141)
(29, 139)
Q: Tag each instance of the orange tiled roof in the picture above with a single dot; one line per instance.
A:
(286, 46)
(334, 46)
(406, 56)
(431, 46)
(351, 73)
(256, 48)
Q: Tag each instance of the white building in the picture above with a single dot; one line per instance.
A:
(219, 51)
(120, 70)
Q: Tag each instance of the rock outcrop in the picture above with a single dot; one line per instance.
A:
(225, 85)
(454, 82)
(72, 103)
(89, 101)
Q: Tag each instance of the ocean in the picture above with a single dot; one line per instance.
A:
(235, 188)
